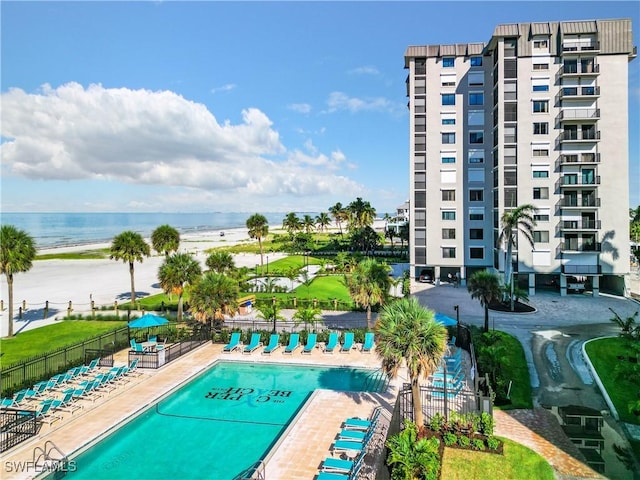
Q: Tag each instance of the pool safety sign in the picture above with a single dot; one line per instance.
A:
(258, 395)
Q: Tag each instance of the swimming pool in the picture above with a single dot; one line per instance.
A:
(217, 425)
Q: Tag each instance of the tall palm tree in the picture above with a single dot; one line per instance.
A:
(513, 221)
(323, 221)
(176, 272)
(291, 223)
(271, 311)
(165, 239)
(369, 284)
(407, 331)
(129, 247)
(307, 315)
(220, 262)
(338, 213)
(213, 296)
(484, 286)
(17, 251)
(258, 228)
(361, 214)
(308, 223)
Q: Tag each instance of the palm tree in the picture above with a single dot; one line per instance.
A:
(361, 214)
(338, 213)
(130, 247)
(258, 228)
(407, 331)
(323, 221)
(213, 296)
(308, 223)
(291, 223)
(369, 285)
(270, 311)
(484, 286)
(390, 233)
(165, 239)
(220, 262)
(17, 251)
(307, 315)
(519, 219)
(177, 271)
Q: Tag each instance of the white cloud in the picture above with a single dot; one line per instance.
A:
(224, 88)
(300, 107)
(341, 101)
(365, 70)
(156, 138)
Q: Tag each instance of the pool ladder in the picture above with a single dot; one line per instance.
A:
(254, 472)
(44, 461)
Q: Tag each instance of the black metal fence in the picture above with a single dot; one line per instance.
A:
(158, 358)
(16, 426)
(26, 373)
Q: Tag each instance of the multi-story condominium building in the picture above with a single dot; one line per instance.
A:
(538, 115)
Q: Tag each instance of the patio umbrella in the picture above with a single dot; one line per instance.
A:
(148, 320)
(445, 320)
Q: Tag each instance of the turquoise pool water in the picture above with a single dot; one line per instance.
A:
(217, 425)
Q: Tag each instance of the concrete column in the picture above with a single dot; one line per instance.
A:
(463, 279)
(436, 275)
(532, 284)
(563, 286)
(595, 283)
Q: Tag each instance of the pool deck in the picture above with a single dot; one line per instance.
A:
(297, 455)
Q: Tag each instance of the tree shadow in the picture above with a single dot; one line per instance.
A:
(607, 245)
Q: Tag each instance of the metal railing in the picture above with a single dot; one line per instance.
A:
(579, 247)
(581, 269)
(158, 358)
(586, 202)
(579, 114)
(16, 426)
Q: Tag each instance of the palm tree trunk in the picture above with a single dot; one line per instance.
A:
(261, 260)
(133, 287)
(417, 402)
(486, 317)
(369, 317)
(180, 308)
(10, 289)
(508, 261)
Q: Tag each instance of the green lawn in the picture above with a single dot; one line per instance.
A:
(83, 255)
(325, 288)
(51, 337)
(603, 354)
(517, 463)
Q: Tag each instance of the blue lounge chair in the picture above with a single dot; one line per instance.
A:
(332, 343)
(311, 343)
(343, 467)
(7, 402)
(234, 342)
(353, 445)
(45, 414)
(132, 342)
(274, 344)
(294, 343)
(85, 369)
(347, 344)
(355, 423)
(368, 344)
(253, 344)
(66, 403)
(153, 338)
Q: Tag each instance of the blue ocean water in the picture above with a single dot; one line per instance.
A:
(62, 229)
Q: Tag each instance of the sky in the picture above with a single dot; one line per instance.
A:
(230, 106)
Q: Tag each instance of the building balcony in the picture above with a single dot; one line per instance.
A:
(579, 70)
(584, 202)
(578, 114)
(577, 136)
(576, 225)
(577, 247)
(576, 48)
(577, 181)
(581, 269)
(578, 159)
(568, 93)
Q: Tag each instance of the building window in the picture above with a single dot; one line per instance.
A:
(448, 62)
(448, 99)
(448, 233)
(448, 215)
(476, 137)
(541, 217)
(476, 234)
(448, 159)
(540, 236)
(540, 128)
(448, 252)
(476, 215)
(476, 61)
(449, 137)
(541, 88)
(476, 252)
(448, 195)
(540, 106)
(476, 156)
(541, 66)
(476, 195)
(541, 174)
(476, 98)
(540, 193)
(448, 121)
(540, 152)
(540, 44)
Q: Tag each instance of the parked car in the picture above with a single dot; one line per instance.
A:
(425, 277)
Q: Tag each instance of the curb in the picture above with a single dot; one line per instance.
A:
(603, 391)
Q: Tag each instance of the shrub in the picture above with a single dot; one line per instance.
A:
(449, 439)
(464, 441)
(486, 424)
(437, 422)
(477, 444)
(493, 443)
(411, 457)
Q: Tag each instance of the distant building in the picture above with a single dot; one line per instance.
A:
(538, 115)
(401, 217)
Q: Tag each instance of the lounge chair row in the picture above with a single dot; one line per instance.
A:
(353, 440)
(294, 343)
